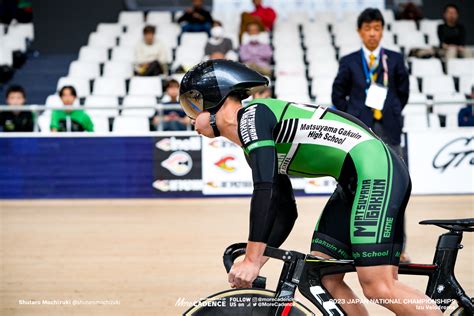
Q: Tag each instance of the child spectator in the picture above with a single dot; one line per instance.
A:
(70, 120)
(173, 120)
(255, 54)
(151, 55)
(16, 121)
(196, 18)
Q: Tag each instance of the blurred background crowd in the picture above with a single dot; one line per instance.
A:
(126, 79)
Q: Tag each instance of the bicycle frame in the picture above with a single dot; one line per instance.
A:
(305, 272)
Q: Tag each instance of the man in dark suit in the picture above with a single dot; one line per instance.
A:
(374, 68)
(373, 75)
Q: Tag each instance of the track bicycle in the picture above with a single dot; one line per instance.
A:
(305, 272)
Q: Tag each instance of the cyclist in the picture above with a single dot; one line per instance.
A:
(363, 219)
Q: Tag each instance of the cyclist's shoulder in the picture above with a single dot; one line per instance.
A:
(273, 104)
(261, 108)
(267, 105)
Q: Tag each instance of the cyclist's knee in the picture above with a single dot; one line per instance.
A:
(377, 290)
(332, 282)
(376, 282)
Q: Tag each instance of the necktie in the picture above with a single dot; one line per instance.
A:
(377, 113)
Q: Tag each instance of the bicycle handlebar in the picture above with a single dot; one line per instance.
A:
(233, 252)
(236, 250)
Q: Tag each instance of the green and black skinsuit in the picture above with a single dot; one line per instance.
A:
(363, 219)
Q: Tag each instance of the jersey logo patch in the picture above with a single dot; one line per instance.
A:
(329, 133)
(248, 131)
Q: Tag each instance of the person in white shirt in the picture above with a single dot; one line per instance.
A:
(151, 55)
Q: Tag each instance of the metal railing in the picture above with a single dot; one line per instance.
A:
(160, 108)
(40, 109)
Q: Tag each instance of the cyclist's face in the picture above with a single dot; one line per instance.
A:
(371, 34)
(202, 124)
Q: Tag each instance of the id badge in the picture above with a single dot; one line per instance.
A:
(376, 95)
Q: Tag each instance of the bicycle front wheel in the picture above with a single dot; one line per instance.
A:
(243, 302)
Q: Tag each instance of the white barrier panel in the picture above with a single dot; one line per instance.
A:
(442, 162)
(225, 171)
(224, 168)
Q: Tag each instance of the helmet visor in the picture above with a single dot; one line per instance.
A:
(192, 103)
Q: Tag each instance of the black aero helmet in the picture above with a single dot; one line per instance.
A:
(207, 84)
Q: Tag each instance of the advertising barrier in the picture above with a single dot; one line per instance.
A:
(177, 164)
(442, 162)
(182, 164)
(224, 168)
(225, 171)
(81, 165)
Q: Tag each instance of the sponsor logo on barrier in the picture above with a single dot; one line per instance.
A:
(230, 184)
(236, 184)
(318, 185)
(319, 182)
(211, 184)
(220, 143)
(178, 185)
(178, 163)
(454, 153)
(173, 143)
(225, 163)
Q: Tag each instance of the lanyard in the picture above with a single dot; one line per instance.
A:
(369, 73)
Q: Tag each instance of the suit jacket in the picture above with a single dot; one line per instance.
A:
(348, 91)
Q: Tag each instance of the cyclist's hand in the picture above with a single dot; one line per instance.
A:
(243, 274)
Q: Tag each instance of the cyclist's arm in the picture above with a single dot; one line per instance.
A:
(256, 124)
(286, 211)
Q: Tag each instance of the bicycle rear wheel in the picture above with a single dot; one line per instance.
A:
(243, 302)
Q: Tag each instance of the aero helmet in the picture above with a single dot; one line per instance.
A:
(206, 85)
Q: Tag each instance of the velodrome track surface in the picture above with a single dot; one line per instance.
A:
(144, 255)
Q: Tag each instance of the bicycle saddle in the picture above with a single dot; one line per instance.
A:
(464, 224)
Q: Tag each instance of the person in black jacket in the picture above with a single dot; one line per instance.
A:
(372, 83)
(452, 34)
(16, 121)
(196, 19)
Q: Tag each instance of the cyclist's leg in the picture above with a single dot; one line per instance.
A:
(377, 235)
(329, 238)
(340, 290)
(378, 283)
